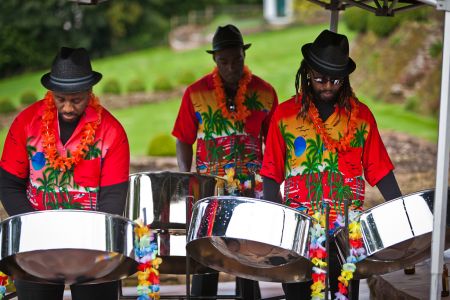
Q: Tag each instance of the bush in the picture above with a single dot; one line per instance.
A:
(162, 84)
(112, 86)
(436, 49)
(28, 98)
(382, 26)
(136, 85)
(356, 19)
(186, 77)
(6, 106)
(412, 104)
(162, 145)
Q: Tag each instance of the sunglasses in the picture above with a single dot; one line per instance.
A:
(325, 79)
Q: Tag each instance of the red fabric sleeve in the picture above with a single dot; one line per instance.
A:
(186, 124)
(15, 157)
(116, 163)
(266, 122)
(274, 153)
(376, 161)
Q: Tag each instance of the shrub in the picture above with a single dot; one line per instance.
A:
(436, 49)
(162, 83)
(6, 106)
(412, 104)
(136, 85)
(112, 86)
(186, 77)
(382, 26)
(162, 145)
(356, 19)
(28, 98)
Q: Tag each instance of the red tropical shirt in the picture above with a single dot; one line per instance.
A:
(106, 163)
(295, 153)
(225, 147)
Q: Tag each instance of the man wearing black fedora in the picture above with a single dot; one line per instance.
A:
(323, 143)
(65, 151)
(227, 112)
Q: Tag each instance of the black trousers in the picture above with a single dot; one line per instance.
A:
(36, 291)
(302, 290)
(206, 285)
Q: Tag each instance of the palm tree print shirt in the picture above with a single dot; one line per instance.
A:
(295, 153)
(105, 164)
(225, 147)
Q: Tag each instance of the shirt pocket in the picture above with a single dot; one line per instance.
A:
(350, 162)
(87, 173)
(253, 123)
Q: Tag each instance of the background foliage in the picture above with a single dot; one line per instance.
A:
(32, 31)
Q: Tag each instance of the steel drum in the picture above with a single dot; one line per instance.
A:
(163, 200)
(250, 238)
(67, 247)
(396, 234)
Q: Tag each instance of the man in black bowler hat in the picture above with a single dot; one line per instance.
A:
(227, 112)
(323, 143)
(65, 151)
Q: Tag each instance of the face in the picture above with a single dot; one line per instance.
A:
(71, 106)
(230, 63)
(325, 88)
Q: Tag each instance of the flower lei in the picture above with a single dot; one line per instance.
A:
(145, 250)
(330, 143)
(4, 281)
(241, 112)
(317, 254)
(52, 155)
(357, 253)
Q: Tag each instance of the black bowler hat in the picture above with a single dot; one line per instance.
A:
(71, 72)
(227, 36)
(328, 54)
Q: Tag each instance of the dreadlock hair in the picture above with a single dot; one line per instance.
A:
(303, 87)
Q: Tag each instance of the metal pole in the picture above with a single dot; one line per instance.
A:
(334, 18)
(440, 201)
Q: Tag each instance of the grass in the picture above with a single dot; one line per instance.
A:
(274, 56)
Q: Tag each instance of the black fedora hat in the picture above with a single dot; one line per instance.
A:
(71, 72)
(227, 36)
(328, 54)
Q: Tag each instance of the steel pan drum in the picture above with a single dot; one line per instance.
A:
(163, 199)
(67, 247)
(396, 234)
(250, 238)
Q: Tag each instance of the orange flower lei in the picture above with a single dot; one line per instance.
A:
(330, 143)
(242, 112)
(55, 160)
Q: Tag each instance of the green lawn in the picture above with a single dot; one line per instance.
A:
(274, 56)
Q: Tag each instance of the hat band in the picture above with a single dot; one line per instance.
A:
(327, 64)
(72, 81)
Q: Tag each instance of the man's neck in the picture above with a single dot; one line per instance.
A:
(66, 129)
(325, 108)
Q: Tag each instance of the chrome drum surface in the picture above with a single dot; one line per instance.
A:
(396, 234)
(251, 238)
(164, 200)
(67, 246)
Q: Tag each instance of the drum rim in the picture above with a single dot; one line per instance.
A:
(69, 211)
(403, 197)
(177, 173)
(253, 200)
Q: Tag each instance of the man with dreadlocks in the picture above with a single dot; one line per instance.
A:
(321, 143)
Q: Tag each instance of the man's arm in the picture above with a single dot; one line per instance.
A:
(13, 194)
(112, 198)
(184, 156)
(388, 187)
(271, 190)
